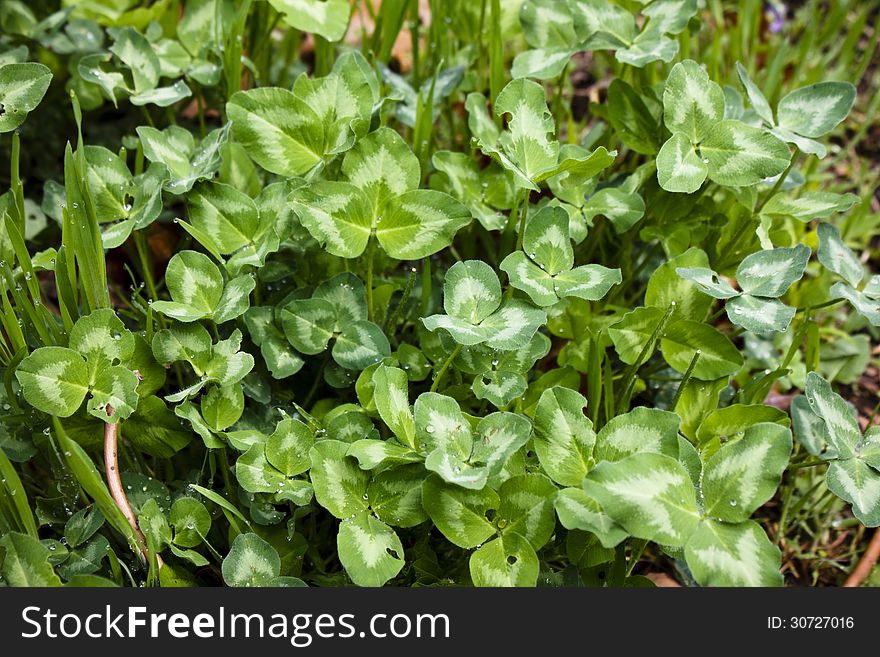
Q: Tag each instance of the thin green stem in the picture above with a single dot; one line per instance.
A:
(778, 185)
(370, 252)
(685, 379)
(442, 372)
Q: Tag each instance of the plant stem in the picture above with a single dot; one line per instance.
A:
(111, 465)
(684, 380)
(832, 302)
(370, 249)
(444, 367)
(776, 187)
(866, 563)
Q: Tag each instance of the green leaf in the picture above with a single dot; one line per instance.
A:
(195, 285)
(650, 495)
(529, 141)
(114, 394)
(102, 339)
(54, 380)
(546, 240)
(340, 485)
(867, 306)
(630, 118)
(836, 256)
(372, 454)
(369, 550)
(589, 282)
(280, 131)
(527, 508)
(604, 26)
(731, 420)
(308, 324)
(642, 430)
(508, 560)
(22, 87)
(769, 273)
(235, 299)
(188, 342)
(419, 223)
(498, 437)
(135, 52)
(226, 215)
(458, 513)
(288, 447)
(547, 23)
(666, 288)
(228, 365)
(632, 332)
(360, 344)
(718, 355)
(759, 315)
(816, 110)
(564, 436)
(809, 205)
(163, 96)
(679, 167)
(720, 554)
(471, 291)
(577, 510)
(328, 18)
(343, 100)
(739, 155)
(191, 521)
(255, 474)
(745, 473)
(396, 495)
(392, 402)
(347, 295)
(155, 430)
(26, 560)
(251, 562)
(440, 425)
(623, 209)
(692, 104)
(383, 166)
(840, 417)
(337, 214)
(756, 98)
(540, 63)
(222, 406)
(859, 484)
(708, 281)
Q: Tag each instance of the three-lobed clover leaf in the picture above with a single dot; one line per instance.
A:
(186, 162)
(557, 30)
(763, 277)
(804, 114)
(369, 549)
(854, 467)
(336, 310)
(528, 149)
(655, 497)
(545, 270)
(836, 256)
(705, 144)
(198, 291)
(475, 313)
(501, 377)
(56, 380)
(379, 197)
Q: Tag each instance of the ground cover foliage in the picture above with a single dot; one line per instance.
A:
(494, 293)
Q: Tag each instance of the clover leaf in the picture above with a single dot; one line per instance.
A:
(198, 291)
(704, 143)
(763, 276)
(475, 313)
(545, 268)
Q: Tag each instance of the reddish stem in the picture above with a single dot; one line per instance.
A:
(111, 465)
(866, 563)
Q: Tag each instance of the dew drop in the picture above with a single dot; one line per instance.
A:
(429, 429)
